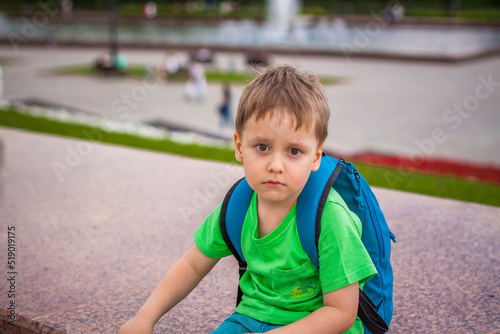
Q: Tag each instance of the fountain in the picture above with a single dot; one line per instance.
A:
(280, 27)
(283, 31)
(281, 18)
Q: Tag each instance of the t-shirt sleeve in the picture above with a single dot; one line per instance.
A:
(208, 237)
(343, 257)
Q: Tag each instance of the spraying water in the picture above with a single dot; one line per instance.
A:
(281, 13)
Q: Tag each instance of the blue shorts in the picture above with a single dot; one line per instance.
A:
(239, 324)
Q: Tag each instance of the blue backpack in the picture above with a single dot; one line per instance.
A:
(375, 301)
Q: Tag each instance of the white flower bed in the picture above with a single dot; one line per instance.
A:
(118, 126)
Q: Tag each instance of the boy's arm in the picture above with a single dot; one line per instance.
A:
(337, 316)
(177, 283)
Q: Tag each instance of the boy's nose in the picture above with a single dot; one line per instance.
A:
(276, 164)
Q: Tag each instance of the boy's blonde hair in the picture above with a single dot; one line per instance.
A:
(285, 89)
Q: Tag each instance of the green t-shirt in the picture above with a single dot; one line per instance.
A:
(281, 285)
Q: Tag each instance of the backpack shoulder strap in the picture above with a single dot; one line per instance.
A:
(311, 203)
(232, 216)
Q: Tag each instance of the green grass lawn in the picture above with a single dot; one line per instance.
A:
(212, 75)
(12, 118)
(447, 187)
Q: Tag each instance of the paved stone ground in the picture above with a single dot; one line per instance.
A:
(384, 106)
(92, 244)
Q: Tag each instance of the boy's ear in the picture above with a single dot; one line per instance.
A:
(237, 147)
(317, 158)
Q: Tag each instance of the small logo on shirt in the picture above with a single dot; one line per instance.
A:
(301, 288)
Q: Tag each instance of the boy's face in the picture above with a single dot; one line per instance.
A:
(277, 158)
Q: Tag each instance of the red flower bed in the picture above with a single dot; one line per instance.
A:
(440, 166)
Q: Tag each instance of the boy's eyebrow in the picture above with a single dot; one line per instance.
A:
(257, 139)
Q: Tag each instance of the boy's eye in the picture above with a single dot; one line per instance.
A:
(294, 151)
(262, 147)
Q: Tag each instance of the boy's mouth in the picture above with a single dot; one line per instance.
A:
(273, 183)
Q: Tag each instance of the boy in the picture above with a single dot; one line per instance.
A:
(281, 126)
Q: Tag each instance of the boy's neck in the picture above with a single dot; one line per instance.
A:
(270, 215)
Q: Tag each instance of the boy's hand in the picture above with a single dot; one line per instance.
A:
(175, 285)
(136, 326)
